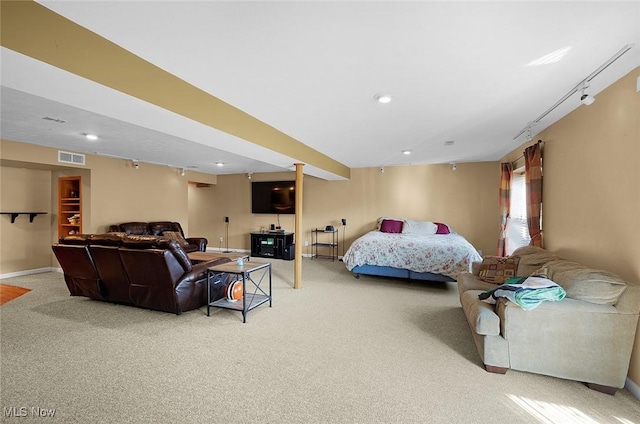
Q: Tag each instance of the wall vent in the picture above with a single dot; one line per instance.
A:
(68, 157)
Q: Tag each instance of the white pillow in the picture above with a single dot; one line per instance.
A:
(419, 227)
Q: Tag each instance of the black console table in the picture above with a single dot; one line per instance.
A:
(272, 244)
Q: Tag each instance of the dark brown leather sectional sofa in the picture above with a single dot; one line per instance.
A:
(157, 228)
(145, 271)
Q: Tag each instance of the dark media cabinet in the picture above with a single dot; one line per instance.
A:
(272, 244)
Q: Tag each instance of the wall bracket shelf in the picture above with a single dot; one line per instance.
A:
(14, 215)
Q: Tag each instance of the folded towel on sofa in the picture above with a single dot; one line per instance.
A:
(527, 292)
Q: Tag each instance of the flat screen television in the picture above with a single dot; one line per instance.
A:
(278, 197)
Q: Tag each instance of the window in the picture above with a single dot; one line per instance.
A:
(517, 229)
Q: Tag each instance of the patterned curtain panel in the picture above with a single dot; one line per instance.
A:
(533, 177)
(505, 206)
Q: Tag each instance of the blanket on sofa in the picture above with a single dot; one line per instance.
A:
(527, 292)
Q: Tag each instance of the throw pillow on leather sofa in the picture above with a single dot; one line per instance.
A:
(158, 228)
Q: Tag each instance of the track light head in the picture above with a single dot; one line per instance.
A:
(587, 99)
(382, 169)
(182, 172)
(454, 166)
(136, 164)
(249, 174)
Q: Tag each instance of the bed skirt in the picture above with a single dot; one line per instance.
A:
(387, 271)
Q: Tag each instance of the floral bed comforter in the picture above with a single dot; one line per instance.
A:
(446, 254)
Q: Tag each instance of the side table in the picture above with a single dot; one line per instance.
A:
(254, 273)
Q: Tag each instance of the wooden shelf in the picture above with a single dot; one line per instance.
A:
(14, 215)
(69, 204)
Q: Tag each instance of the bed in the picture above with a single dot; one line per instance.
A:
(416, 250)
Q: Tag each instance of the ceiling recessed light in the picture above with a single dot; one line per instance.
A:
(219, 164)
(406, 152)
(382, 98)
(91, 137)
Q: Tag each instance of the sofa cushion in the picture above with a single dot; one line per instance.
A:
(137, 228)
(77, 239)
(498, 269)
(175, 236)
(531, 259)
(467, 281)
(133, 241)
(108, 239)
(588, 284)
(158, 227)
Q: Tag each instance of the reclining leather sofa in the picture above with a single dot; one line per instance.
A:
(157, 228)
(145, 271)
(588, 336)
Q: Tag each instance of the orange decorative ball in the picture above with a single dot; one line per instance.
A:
(234, 291)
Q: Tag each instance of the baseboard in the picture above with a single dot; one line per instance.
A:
(633, 388)
(222, 250)
(28, 272)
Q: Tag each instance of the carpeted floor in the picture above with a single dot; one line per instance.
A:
(338, 350)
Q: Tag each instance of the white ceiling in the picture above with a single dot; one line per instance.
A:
(455, 70)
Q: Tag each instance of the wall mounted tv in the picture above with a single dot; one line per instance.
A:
(277, 197)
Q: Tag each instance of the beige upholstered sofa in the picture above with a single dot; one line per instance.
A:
(588, 336)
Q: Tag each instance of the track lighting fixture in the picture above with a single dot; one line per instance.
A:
(382, 169)
(182, 171)
(249, 174)
(586, 99)
(528, 133)
(136, 164)
(454, 166)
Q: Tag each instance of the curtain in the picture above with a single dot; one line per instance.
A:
(533, 176)
(505, 205)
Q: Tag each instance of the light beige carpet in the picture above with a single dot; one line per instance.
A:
(338, 350)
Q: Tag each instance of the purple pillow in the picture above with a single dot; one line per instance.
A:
(442, 228)
(391, 226)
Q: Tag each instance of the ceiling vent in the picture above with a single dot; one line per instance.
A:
(72, 158)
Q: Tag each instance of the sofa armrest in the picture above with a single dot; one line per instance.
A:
(201, 242)
(481, 316)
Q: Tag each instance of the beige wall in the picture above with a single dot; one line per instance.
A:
(25, 245)
(113, 192)
(591, 194)
(466, 199)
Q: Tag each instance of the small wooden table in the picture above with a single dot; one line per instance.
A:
(249, 300)
(210, 256)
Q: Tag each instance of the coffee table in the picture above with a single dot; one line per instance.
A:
(209, 256)
(254, 273)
